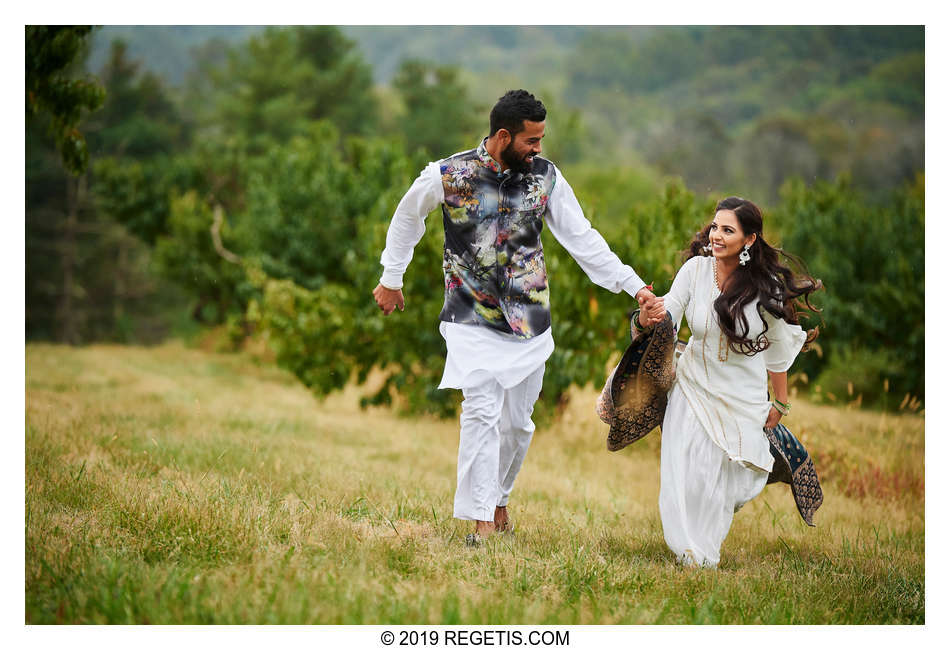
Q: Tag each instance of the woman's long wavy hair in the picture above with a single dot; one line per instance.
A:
(765, 279)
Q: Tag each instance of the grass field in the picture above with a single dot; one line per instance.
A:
(172, 485)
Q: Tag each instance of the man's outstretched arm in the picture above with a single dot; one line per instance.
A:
(591, 252)
(405, 231)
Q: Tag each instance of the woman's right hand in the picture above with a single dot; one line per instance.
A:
(652, 312)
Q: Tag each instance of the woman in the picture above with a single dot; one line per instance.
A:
(740, 302)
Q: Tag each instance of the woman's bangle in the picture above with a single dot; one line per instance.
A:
(636, 322)
(781, 407)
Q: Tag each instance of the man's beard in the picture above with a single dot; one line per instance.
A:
(510, 157)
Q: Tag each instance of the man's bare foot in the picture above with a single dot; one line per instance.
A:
(502, 523)
(484, 528)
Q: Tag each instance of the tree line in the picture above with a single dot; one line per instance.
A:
(256, 200)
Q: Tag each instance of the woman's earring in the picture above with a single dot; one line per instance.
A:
(707, 247)
(744, 255)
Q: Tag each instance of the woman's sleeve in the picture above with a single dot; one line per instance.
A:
(679, 295)
(785, 342)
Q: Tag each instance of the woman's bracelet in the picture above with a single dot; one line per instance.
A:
(636, 323)
(781, 407)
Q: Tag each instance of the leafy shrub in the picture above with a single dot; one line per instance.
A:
(186, 255)
(871, 260)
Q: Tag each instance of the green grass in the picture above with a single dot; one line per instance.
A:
(170, 485)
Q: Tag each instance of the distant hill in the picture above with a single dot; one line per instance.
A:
(527, 52)
(165, 50)
(744, 107)
(534, 54)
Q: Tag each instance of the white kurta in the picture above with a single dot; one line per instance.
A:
(509, 361)
(715, 456)
(500, 374)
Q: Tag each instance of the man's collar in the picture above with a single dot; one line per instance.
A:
(486, 158)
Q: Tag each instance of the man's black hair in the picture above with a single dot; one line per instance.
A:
(512, 109)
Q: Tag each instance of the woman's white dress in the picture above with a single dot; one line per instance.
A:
(714, 455)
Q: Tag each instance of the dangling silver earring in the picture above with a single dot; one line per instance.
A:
(707, 247)
(744, 255)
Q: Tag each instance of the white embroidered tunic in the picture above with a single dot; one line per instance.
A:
(726, 390)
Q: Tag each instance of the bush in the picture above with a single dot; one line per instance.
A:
(871, 260)
(856, 375)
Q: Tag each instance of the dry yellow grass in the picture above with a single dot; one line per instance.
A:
(171, 485)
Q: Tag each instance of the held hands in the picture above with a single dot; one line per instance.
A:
(389, 299)
(652, 309)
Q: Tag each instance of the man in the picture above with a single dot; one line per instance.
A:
(496, 319)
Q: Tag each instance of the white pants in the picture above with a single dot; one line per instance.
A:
(496, 429)
(700, 487)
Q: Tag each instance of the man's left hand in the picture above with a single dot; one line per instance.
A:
(654, 307)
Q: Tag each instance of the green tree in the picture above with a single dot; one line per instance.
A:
(282, 80)
(140, 140)
(138, 118)
(870, 257)
(439, 115)
(53, 94)
(58, 219)
(169, 202)
(187, 255)
(280, 178)
(89, 265)
(316, 224)
(305, 200)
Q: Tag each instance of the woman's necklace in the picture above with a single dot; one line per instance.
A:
(723, 343)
